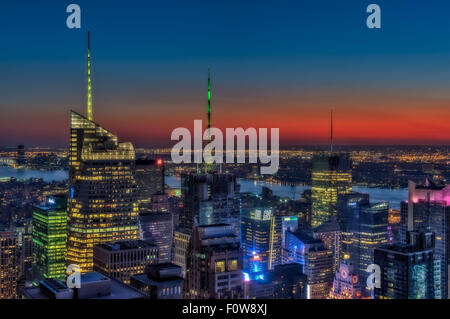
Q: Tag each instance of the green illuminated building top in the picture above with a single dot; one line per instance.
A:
(50, 238)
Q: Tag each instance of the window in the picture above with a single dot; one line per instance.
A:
(220, 266)
(232, 264)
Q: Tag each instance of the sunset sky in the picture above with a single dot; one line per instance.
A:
(274, 63)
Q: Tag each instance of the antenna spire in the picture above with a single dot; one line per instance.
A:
(89, 85)
(331, 132)
(209, 99)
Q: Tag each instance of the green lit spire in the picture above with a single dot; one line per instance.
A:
(209, 100)
(89, 85)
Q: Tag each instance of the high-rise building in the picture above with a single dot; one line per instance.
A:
(331, 177)
(316, 259)
(161, 281)
(9, 265)
(149, 181)
(102, 203)
(21, 159)
(331, 235)
(428, 206)
(409, 271)
(261, 239)
(209, 199)
(157, 227)
(50, 238)
(214, 262)
(122, 259)
(181, 242)
(366, 228)
(25, 242)
(102, 188)
(346, 284)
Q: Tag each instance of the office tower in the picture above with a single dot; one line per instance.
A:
(429, 206)
(181, 241)
(21, 159)
(93, 286)
(102, 188)
(316, 259)
(50, 238)
(214, 262)
(409, 271)
(289, 281)
(366, 228)
(331, 235)
(331, 177)
(161, 281)
(122, 259)
(102, 204)
(209, 199)
(149, 180)
(9, 265)
(25, 244)
(261, 239)
(346, 284)
(157, 227)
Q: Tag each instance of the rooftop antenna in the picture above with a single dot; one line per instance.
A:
(331, 132)
(89, 87)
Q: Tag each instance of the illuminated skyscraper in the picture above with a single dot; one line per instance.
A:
(102, 204)
(428, 206)
(366, 228)
(49, 239)
(316, 259)
(409, 271)
(102, 188)
(9, 265)
(261, 239)
(331, 177)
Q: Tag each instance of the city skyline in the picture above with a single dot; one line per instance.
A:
(283, 66)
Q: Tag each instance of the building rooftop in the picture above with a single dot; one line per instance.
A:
(126, 245)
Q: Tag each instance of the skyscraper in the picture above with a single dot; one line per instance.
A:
(331, 177)
(366, 228)
(346, 284)
(157, 227)
(149, 180)
(409, 271)
(261, 239)
(209, 199)
(50, 239)
(102, 188)
(316, 259)
(428, 206)
(214, 262)
(9, 265)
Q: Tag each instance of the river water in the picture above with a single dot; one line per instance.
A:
(393, 196)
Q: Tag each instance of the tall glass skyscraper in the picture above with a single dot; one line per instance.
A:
(331, 177)
(49, 239)
(260, 239)
(102, 195)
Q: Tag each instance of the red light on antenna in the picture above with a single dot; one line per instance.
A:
(159, 161)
